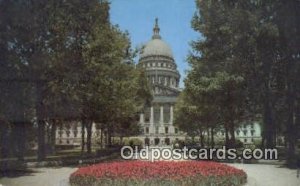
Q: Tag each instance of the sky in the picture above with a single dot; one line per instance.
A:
(174, 18)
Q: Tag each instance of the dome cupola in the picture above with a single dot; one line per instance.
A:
(156, 46)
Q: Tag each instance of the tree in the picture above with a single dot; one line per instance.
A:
(66, 60)
(248, 50)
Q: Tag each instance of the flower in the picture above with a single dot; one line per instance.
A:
(161, 170)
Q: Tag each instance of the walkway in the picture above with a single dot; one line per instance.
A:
(269, 175)
(258, 175)
(40, 177)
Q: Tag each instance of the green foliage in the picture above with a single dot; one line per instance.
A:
(257, 143)
(239, 144)
(245, 66)
(66, 62)
(134, 142)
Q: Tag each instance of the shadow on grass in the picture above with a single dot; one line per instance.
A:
(17, 173)
(15, 169)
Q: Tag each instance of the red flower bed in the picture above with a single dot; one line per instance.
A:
(157, 173)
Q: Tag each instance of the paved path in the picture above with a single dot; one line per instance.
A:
(268, 175)
(40, 177)
(258, 175)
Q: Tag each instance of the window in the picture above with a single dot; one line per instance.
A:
(60, 133)
(252, 140)
(245, 132)
(252, 126)
(147, 115)
(167, 141)
(176, 130)
(166, 130)
(245, 140)
(147, 130)
(252, 132)
(147, 141)
(75, 133)
(68, 133)
(238, 132)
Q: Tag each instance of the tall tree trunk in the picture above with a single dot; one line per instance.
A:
(232, 133)
(19, 138)
(101, 137)
(226, 135)
(263, 137)
(201, 138)
(41, 155)
(53, 135)
(82, 136)
(208, 137)
(291, 129)
(5, 141)
(109, 135)
(89, 126)
(268, 121)
(212, 137)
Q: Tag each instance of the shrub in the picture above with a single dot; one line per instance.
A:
(158, 173)
(219, 142)
(135, 142)
(257, 143)
(239, 144)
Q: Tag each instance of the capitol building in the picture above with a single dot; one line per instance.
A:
(157, 120)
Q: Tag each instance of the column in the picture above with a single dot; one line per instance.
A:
(94, 129)
(161, 114)
(151, 128)
(171, 114)
(142, 118)
(151, 116)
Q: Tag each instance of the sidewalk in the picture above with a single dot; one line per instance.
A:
(268, 175)
(41, 177)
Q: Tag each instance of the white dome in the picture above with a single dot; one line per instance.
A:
(156, 47)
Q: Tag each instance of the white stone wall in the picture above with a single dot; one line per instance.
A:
(70, 133)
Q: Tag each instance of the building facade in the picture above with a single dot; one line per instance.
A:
(70, 133)
(157, 121)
